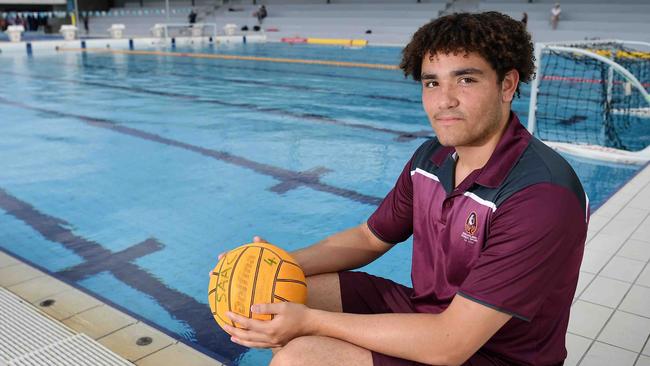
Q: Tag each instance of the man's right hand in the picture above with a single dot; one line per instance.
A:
(256, 239)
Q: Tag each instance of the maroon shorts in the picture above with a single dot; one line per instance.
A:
(362, 293)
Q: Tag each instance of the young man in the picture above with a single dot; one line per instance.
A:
(498, 220)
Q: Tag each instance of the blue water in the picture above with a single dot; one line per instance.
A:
(185, 158)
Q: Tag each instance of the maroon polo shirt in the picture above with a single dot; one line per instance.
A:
(510, 236)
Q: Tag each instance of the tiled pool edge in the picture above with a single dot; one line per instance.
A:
(84, 313)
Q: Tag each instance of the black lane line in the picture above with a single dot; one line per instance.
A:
(107, 261)
(254, 82)
(181, 306)
(288, 179)
(401, 136)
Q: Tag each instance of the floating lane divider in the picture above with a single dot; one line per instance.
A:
(236, 57)
(338, 42)
(294, 40)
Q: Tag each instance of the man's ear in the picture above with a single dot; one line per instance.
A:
(509, 85)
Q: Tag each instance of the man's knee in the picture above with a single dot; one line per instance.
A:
(291, 354)
(321, 351)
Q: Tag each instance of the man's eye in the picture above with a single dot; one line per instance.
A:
(467, 81)
(430, 84)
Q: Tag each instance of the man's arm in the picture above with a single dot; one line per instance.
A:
(449, 338)
(349, 249)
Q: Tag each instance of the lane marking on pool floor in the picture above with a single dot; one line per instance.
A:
(236, 57)
(288, 179)
(255, 82)
(400, 136)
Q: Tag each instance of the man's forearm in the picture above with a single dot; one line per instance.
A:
(448, 338)
(345, 250)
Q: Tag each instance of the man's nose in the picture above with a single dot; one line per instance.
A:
(447, 97)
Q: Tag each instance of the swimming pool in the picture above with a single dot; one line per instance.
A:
(128, 174)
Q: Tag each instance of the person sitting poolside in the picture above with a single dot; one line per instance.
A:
(498, 219)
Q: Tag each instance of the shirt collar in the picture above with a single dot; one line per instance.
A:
(512, 144)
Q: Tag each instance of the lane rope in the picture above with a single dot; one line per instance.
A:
(236, 57)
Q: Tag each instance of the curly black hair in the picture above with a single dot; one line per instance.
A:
(502, 41)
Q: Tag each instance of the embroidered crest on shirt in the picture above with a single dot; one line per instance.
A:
(470, 228)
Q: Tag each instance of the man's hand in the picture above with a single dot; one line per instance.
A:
(256, 239)
(290, 321)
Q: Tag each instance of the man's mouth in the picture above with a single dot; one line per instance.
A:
(448, 120)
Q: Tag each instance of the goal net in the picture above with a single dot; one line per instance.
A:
(591, 99)
(179, 30)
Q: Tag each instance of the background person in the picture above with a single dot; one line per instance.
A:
(524, 19)
(192, 17)
(85, 19)
(261, 13)
(555, 15)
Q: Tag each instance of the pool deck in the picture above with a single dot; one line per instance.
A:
(82, 313)
(610, 317)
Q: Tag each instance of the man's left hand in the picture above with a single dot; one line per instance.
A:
(290, 320)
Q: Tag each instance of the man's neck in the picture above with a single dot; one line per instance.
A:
(475, 157)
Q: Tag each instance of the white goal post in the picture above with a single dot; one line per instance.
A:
(169, 30)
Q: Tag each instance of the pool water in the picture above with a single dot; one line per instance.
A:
(127, 175)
